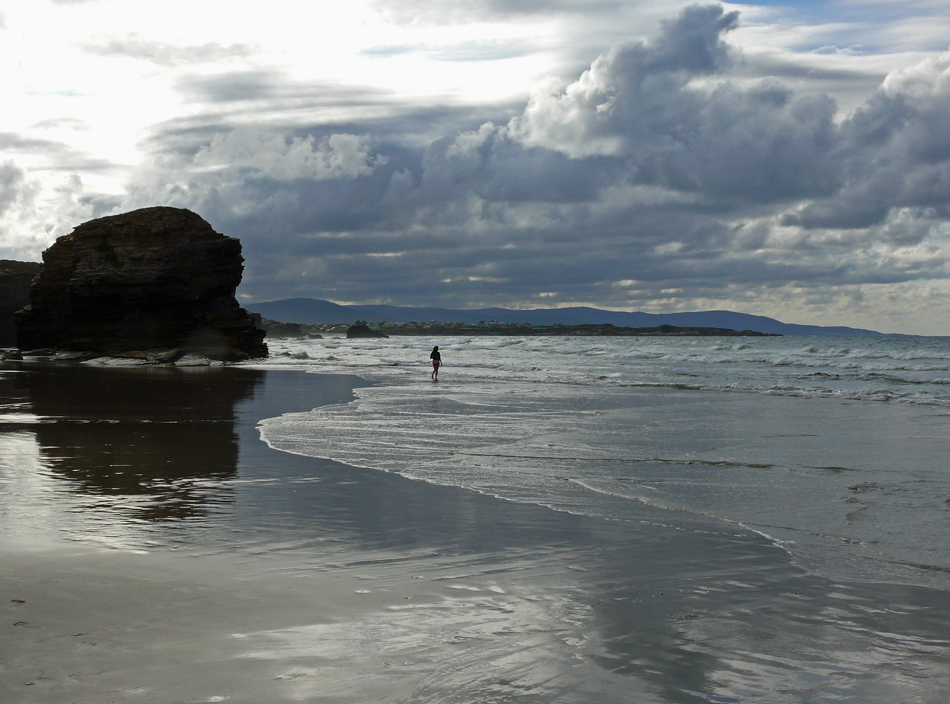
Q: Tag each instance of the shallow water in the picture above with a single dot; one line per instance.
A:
(527, 539)
(851, 485)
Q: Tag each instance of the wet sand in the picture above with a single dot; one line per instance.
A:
(156, 550)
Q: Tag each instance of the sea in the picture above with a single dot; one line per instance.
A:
(834, 448)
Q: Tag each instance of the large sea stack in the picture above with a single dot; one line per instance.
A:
(15, 280)
(152, 279)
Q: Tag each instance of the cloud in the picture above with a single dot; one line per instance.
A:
(481, 50)
(31, 216)
(165, 54)
(14, 142)
(668, 109)
(11, 185)
(253, 84)
(613, 107)
(270, 96)
(338, 156)
(53, 154)
(895, 153)
(264, 186)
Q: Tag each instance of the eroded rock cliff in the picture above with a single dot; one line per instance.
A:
(15, 280)
(152, 279)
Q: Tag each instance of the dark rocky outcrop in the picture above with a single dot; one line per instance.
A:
(15, 280)
(275, 329)
(153, 279)
(360, 330)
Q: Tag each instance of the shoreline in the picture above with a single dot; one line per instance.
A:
(271, 577)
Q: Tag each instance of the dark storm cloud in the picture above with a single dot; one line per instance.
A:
(136, 47)
(661, 169)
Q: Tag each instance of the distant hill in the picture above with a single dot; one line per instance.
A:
(315, 311)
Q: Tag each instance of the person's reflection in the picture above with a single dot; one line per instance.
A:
(165, 435)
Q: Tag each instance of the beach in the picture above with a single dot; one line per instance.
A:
(195, 536)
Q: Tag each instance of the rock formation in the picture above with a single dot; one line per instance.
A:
(363, 330)
(276, 328)
(153, 279)
(15, 280)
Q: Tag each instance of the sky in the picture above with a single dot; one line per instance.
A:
(780, 158)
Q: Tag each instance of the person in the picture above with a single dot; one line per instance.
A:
(436, 361)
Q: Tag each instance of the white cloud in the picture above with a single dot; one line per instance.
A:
(930, 79)
(33, 216)
(274, 156)
(611, 110)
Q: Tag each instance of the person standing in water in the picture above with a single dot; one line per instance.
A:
(436, 361)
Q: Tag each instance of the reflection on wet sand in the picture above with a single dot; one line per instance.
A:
(140, 440)
(731, 615)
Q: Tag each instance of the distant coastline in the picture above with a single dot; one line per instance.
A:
(561, 321)
(576, 330)
(280, 329)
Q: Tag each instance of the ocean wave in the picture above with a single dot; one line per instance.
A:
(906, 370)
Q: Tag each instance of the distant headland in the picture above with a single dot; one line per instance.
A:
(362, 329)
(563, 321)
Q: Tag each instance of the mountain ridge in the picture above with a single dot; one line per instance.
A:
(316, 311)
